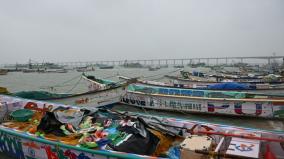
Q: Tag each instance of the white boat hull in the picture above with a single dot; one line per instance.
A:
(97, 99)
(237, 107)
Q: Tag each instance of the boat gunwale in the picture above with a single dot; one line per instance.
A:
(206, 98)
(229, 116)
(204, 88)
(80, 94)
(108, 153)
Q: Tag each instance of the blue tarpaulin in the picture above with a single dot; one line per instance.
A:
(229, 86)
(198, 74)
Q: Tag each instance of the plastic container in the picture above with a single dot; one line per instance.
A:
(22, 114)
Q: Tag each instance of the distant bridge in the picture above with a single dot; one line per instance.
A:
(178, 61)
(182, 61)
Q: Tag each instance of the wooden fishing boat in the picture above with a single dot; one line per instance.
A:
(55, 71)
(4, 90)
(205, 84)
(85, 69)
(210, 81)
(178, 66)
(33, 70)
(106, 67)
(201, 77)
(205, 101)
(225, 86)
(106, 134)
(97, 98)
(101, 92)
(3, 72)
(153, 68)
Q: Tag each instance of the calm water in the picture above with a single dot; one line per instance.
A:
(70, 82)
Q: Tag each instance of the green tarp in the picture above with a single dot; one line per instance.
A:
(39, 95)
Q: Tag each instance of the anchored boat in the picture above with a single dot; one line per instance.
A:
(3, 72)
(46, 130)
(223, 86)
(206, 84)
(101, 92)
(205, 101)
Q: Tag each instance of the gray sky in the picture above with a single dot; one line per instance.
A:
(90, 30)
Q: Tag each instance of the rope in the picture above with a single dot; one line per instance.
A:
(52, 87)
(61, 84)
(157, 75)
(76, 84)
(68, 80)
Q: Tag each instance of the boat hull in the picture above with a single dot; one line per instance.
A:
(259, 86)
(24, 145)
(96, 99)
(3, 72)
(231, 107)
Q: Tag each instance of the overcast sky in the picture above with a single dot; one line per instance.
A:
(90, 30)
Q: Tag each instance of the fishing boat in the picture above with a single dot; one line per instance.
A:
(55, 71)
(270, 78)
(4, 90)
(85, 69)
(199, 77)
(101, 66)
(224, 86)
(231, 103)
(46, 130)
(101, 92)
(33, 70)
(153, 68)
(178, 66)
(45, 67)
(97, 98)
(3, 72)
(132, 65)
(203, 81)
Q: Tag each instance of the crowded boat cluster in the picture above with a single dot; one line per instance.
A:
(48, 125)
